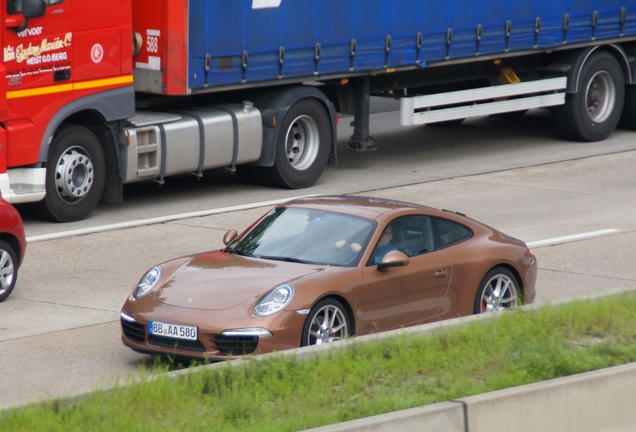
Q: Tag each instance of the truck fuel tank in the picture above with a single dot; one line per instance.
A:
(160, 144)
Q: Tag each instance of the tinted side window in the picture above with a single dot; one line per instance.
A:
(14, 7)
(411, 235)
(451, 232)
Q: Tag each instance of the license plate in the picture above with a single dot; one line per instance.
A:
(175, 331)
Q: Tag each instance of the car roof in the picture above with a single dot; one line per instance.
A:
(363, 206)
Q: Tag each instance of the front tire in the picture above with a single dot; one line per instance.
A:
(593, 112)
(327, 322)
(498, 290)
(302, 146)
(75, 176)
(8, 269)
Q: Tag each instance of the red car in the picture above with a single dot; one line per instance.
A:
(319, 269)
(12, 247)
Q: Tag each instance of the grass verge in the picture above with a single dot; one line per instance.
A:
(286, 393)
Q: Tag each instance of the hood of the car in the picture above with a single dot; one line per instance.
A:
(218, 280)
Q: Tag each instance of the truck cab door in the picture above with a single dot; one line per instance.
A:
(36, 45)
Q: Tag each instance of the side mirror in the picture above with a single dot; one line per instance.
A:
(230, 236)
(30, 9)
(393, 259)
(33, 8)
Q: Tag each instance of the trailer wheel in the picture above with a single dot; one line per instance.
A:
(75, 175)
(302, 146)
(593, 112)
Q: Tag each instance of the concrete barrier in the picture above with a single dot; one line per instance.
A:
(442, 417)
(595, 401)
(598, 401)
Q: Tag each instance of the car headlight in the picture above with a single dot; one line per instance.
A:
(274, 301)
(148, 281)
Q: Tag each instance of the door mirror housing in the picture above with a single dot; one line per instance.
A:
(393, 259)
(230, 236)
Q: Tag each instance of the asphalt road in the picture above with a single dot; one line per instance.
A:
(59, 331)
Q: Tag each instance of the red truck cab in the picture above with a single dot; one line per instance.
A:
(58, 54)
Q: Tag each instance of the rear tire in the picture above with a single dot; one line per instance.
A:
(498, 290)
(302, 146)
(593, 112)
(75, 175)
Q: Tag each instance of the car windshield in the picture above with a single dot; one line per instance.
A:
(308, 236)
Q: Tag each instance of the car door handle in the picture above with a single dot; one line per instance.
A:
(440, 273)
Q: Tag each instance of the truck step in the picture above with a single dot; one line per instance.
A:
(148, 118)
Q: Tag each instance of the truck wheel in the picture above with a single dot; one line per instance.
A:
(592, 113)
(8, 269)
(302, 146)
(75, 175)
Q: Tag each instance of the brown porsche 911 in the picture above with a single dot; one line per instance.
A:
(318, 269)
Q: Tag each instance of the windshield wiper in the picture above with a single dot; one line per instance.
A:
(287, 259)
(237, 252)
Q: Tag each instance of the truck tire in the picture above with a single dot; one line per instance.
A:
(302, 146)
(593, 112)
(75, 175)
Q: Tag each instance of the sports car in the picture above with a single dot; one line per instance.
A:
(315, 270)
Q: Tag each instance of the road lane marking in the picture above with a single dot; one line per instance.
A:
(157, 220)
(210, 212)
(571, 238)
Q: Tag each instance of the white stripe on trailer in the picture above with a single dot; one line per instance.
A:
(265, 4)
(461, 104)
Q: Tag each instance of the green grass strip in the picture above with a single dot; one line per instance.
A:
(286, 393)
